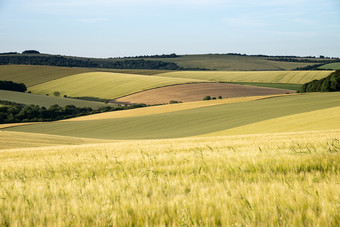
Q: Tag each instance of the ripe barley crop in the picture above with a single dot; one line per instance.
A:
(270, 179)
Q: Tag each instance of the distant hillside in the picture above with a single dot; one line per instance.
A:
(238, 62)
(221, 62)
(57, 60)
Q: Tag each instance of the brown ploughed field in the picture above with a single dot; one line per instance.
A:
(196, 92)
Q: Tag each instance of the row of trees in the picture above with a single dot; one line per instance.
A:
(12, 86)
(15, 113)
(54, 60)
(327, 84)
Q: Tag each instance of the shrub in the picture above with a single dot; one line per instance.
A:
(207, 97)
(56, 93)
(219, 97)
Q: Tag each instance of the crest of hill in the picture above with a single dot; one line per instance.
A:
(105, 85)
(190, 122)
(238, 62)
(32, 75)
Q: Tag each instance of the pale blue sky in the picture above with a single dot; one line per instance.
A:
(113, 28)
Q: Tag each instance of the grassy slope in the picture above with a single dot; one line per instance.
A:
(293, 77)
(260, 180)
(232, 63)
(189, 122)
(35, 74)
(43, 100)
(105, 85)
(164, 108)
(334, 66)
(9, 140)
(325, 119)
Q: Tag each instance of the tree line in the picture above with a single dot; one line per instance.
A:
(54, 60)
(15, 113)
(327, 84)
(12, 86)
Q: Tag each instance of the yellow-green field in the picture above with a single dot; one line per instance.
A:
(289, 179)
(166, 108)
(105, 85)
(248, 161)
(32, 75)
(190, 122)
(293, 77)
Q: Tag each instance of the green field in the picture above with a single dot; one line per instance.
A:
(289, 77)
(105, 85)
(43, 100)
(191, 122)
(331, 66)
(223, 62)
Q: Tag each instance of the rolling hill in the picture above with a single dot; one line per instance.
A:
(197, 91)
(190, 122)
(46, 101)
(105, 85)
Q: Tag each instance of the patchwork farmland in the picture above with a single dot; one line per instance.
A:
(256, 157)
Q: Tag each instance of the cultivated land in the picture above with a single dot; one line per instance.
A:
(333, 66)
(165, 108)
(190, 122)
(46, 101)
(289, 77)
(250, 161)
(32, 75)
(223, 62)
(105, 85)
(10, 140)
(288, 179)
(195, 92)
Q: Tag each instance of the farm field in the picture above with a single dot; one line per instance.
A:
(324, 119)
(10, 140)
(105, 85)
(46, 101)
(288, 179)
(293, 77)
(223, 62)
(165, 108)
(333, 66)
(268, 160)
(197, 91)
(192, 122)
(32, 75)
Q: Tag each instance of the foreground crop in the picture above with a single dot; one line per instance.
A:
(273, 179)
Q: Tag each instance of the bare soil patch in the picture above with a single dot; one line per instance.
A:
(197, 91)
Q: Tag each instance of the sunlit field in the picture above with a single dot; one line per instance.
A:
(287, 179)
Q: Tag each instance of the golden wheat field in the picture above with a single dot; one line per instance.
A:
(278, 179)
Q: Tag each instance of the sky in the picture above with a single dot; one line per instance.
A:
(118, 28)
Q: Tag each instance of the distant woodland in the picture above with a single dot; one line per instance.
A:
(327, 84)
